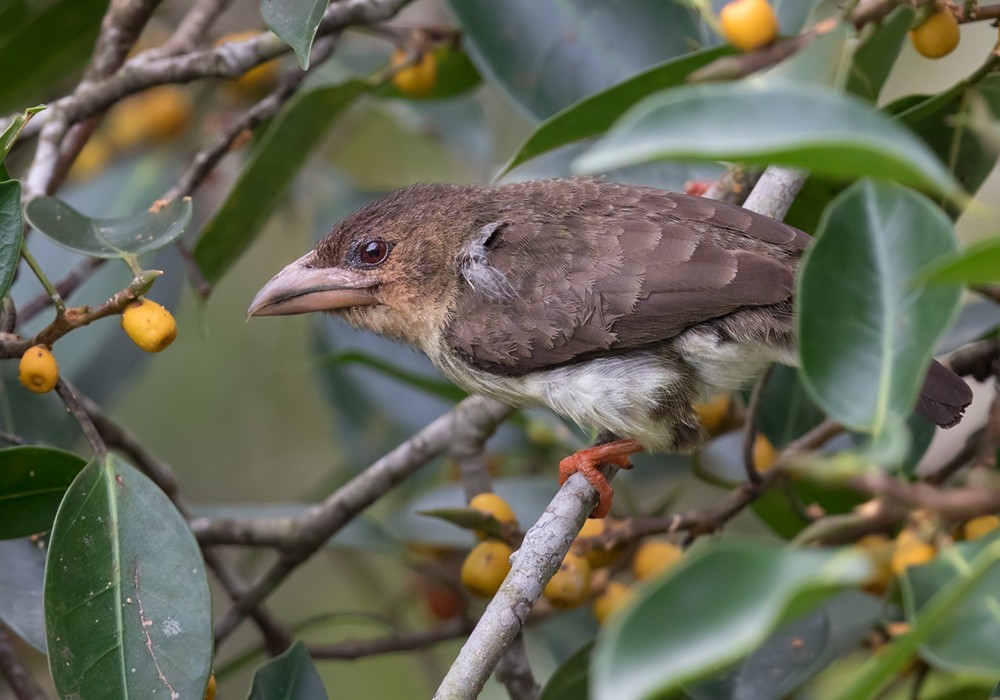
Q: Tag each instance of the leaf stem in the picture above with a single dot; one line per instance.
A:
(57, 300)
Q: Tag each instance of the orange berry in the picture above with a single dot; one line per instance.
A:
(491, 504)
(485, 568)
(938, 36)
(443, 601)
(38, 370)
(749, 24)
(418, 79)
(614, 598)
(149, 325)
(764, 454)
(653, 557)
(154, 116)
(879, 550)
(210, 689)
(712, 414)
(570, 585)
(909, 551)
(598, 558)
(977, 527)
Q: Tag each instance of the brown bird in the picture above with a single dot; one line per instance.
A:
(616, 306)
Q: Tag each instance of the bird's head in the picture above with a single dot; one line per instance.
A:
(388, 268)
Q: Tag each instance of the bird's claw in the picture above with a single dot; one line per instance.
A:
(586, 462)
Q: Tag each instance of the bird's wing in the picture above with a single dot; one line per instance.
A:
(611, 273)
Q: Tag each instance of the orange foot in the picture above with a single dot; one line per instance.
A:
(586, 462)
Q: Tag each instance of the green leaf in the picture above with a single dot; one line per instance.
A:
(11, 232)
(467, 519)
(866, 334)
(786, 409)
(291, 676)
(272, 166)
(295, 22)
(44, 45)
(456, 76)
(127, 606)
(32, 483)
(145, 232)
(546, 56)
(968, 639)
(22, 572)
(977, 264)
(683, 629)
(784, 123)
(877, 53)
(11, 133)
(595, 114)
(571, 681)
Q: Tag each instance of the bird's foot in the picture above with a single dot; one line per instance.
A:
(587, 461)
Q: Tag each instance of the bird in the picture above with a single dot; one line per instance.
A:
(617, 306)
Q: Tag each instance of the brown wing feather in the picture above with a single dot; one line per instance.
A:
(611, 268)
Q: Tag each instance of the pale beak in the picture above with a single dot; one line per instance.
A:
(305, 286)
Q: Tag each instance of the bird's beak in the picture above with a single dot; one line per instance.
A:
(305, 286)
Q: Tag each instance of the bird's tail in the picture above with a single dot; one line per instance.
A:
(944, 396)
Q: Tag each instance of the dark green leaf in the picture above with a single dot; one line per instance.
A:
(467, 519)
(22, 572)
(291, 676)
(975, 320)
(683, 629)
(11, 227)
(786, 410)
(127, 607)
(456, 76)
(571, 681)
(866, 337)
(977, 264)
(32, 483)
(547, 56)
(791, 124)
(272, 166)
(295, 22)
(145, 232)
(877, 53)
(968, 639)
(49, 43)
(593, 115)
(11, 133)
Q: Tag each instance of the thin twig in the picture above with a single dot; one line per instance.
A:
(514, 672)
(90, 432)
(16, 674)
(405, 641)
(750, 426)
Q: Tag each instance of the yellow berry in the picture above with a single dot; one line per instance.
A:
(879, 550)
(38, 370)
(712, 414)
(210, 689)
(418, 79)
(749, 24)
(96, 154)
(764, 454)
(653, 557)
(598, 558)
(149, 325)
(570, 585)
(614, 598)
(909, 551)
(154, 116)
(485, 568)
(938, 36)
(491, 504)
(977, 527)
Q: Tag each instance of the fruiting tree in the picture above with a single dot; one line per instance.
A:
(826, 541)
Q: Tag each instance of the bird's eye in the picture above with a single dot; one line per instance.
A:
(373, 252)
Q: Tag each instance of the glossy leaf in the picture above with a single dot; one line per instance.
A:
(467, 519)
(11, 232)
(295, 22)
(968, 639)
(22, 572)
(595, 114)
(866, 334)
(783, 123)
(977, 264)
(682, 630)
(145, 232)
(456, 76)
(290, 676)
(786, 409)
(546, 56)
(127, 607)
(975, 320)
(272, 166)
(32, 483)
(571, 681)
(877, 53)
(40, 47)
(10, 134)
